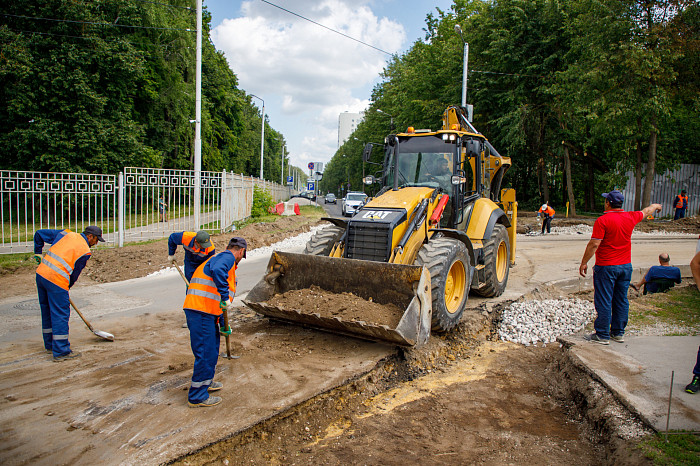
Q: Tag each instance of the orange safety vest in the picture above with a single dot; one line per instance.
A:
(202, 294)
(679, 204)
(59, 261)
(187, 237)
(549, 211)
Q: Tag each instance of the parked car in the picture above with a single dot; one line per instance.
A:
(330, 198)
(352, 202)
(306, 195)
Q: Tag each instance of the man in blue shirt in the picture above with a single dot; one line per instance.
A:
(664, 271)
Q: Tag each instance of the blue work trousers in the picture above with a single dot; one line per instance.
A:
(696, 369)
(55, 312)
(611, 283)
(680, 213)
(204, 339)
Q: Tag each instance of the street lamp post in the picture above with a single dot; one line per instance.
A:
(262, 134)
(390, 116)
(363, 168)
(282, 172)
(458, 30)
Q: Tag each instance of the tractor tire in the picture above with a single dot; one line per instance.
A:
(494, 276)
(447, 261)
(321, 242)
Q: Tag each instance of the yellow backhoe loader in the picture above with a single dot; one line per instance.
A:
(439, 227)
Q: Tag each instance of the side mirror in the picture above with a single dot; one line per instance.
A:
(367, 152)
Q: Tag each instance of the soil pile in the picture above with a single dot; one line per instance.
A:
(345, 306)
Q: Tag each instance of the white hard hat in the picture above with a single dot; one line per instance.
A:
(544, 207)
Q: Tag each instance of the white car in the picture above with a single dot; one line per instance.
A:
(352, 202)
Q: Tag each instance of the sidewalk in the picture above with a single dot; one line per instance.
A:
(638, 373)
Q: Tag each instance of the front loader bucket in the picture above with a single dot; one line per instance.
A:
(406, 286)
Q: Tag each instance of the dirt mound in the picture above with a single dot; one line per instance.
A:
(528, 222)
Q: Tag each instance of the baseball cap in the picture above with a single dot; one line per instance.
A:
(240, 242)
(614, 197)
(96, 231)
(202, 237)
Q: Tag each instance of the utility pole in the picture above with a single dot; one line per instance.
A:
(198, 122)
(262, 133)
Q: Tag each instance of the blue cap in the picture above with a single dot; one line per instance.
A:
(614, 197)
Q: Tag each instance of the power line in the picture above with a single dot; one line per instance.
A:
(135, 44)
(167, 4)
(326, 27)
(95, 23)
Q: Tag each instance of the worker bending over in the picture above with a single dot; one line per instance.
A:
(58, 270)
(211, 289)
(198, 248)
(548, 214)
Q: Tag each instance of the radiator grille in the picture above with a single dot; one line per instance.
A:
(368, 241)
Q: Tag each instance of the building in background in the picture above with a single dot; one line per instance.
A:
(347, 122)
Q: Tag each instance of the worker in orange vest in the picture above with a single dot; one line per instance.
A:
(58, 270)
(681, 204)
(211, 290)
(198, 248)
(548, 214)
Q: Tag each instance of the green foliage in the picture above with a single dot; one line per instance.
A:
(103, 85)
(262, 202)
(681, 449)
(598, 77)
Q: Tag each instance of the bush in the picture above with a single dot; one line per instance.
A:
(262, 201)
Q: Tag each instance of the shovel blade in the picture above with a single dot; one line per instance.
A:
(104, 335)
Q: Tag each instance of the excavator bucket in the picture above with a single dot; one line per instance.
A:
(406, 286)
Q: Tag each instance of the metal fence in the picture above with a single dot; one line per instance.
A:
(666, 188)
(35, 200)
(138, 204)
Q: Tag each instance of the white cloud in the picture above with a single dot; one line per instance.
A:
(307, 74)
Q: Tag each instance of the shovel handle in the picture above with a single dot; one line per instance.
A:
(181, 274)
(228, 343)
(81, 315)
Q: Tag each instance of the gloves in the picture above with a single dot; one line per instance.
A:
(225, 304)
(225, 331)
(171, 258)
(37, 258)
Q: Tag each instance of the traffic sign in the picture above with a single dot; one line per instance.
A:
(311, 165)
(290, 180)
(310, 186)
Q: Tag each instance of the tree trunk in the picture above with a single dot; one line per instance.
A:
(590, 198)
(638, 177)
(543, 179)
(651, 164)
(569, 184)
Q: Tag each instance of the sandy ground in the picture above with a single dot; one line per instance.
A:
(297, 395)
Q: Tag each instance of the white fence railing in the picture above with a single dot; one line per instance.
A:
(138, 204)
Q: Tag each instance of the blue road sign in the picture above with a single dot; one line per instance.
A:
(290, 179)
(310, 186)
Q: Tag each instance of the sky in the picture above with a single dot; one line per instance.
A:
(307, 74)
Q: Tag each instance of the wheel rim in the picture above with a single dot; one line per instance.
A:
(455, 286)
(501, 261)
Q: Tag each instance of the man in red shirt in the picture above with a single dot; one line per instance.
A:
(611, 243)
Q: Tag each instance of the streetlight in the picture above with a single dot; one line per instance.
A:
(458, 30)
(262, 134)
(282, 173)
(363, 167)
(390, 116)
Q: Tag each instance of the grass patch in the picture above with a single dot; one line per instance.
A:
(10, 263)
(677, 307)
(682, 449)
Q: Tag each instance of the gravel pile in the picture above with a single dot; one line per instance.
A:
(286, 244)
(529, 322)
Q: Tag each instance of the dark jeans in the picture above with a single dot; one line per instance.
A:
(696, 370)
(611, 283)
(680, 213)
(547, 222)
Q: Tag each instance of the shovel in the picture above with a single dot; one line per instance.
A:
(99, 333)
(181, 274)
